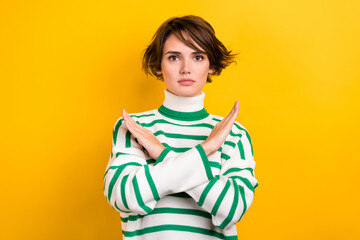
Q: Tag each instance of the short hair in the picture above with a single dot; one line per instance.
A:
(199, 31)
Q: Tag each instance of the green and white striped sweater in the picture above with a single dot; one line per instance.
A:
(183, 194)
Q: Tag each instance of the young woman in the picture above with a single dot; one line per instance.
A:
(178, 172)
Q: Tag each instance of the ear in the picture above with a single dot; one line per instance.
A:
(211, 70)
(159, 72)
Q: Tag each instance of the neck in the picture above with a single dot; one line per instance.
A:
(183, 108)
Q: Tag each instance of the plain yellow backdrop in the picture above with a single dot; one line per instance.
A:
(68, 68)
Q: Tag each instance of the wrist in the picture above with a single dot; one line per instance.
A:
(159, 151)
(207, 148)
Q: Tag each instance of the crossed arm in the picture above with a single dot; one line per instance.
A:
(216, 138)
(233, 188)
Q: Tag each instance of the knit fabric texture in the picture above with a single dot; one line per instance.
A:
(183, 194)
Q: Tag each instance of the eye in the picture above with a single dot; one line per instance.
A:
(173, 58)
(199, 57)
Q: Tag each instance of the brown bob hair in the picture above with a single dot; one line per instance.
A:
(199, 31)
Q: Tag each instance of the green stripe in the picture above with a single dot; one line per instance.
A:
(241, 150)
(231, 214)
(215, 165)
(117, 207)
(127, 139)
(232, 144)
(122, 191)
(111, 167)
(119, 122)
(194, 212)
(181, 228)
(128, 134)
(138, 196)
(225, 156)
(144, 115)
(116, 176)
(247, 135)
(116, 130)
(181, 136)
(132, 217)
(162, 155)
(245, 181)
(121, 153)
(231, 170)
(242, 194)
(240, 128)
(220, 198)
(207, 190)
(151, 183)
(185, 116)
(181, 150)
(235, 134)
(205, 161)
(150, 124)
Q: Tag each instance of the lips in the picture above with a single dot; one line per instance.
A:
(186, 81)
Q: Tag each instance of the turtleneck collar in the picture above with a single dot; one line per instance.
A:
(183, 108)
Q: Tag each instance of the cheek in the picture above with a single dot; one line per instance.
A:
(205, 70)
(170, 71)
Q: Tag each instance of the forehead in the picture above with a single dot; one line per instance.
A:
(173, 43)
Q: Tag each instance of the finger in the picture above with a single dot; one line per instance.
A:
(136, 129)
(226, 119)
(233, 110)
(230, 116)
(128, 118)
(136, 126)
(128, 123)
(236, 112)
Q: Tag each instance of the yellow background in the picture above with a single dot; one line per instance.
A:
(68, 68)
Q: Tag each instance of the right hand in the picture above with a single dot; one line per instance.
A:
(220, 132)
(144, 136)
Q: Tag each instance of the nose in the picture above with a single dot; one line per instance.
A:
(185, 67)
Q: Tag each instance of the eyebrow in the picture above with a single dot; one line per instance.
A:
(176, 52)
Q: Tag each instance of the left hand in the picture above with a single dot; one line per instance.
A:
(144, 136)
(220, 131)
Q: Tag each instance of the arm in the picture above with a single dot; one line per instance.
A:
(229, 195)
(131, 185)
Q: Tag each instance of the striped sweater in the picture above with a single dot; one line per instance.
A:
(183, 194)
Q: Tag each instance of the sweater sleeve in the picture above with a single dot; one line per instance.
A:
(132, 185)
(229, 195)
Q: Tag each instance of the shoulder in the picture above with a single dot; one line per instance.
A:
(239, 127)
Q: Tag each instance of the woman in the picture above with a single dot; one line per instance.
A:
(178, 172)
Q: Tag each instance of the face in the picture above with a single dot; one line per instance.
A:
(184, 69)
